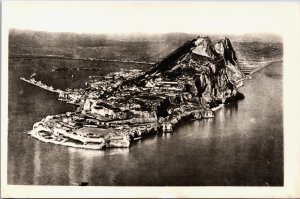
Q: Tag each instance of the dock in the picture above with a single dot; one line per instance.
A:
(41, 85)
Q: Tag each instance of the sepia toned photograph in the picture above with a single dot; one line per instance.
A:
(145, 94)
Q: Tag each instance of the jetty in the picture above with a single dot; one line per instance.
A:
(41, 85)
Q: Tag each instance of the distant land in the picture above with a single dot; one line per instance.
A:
(144, 47)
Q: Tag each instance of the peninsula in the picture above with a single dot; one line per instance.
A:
(125, 106)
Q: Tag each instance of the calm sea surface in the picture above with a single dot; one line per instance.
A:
(242, 145)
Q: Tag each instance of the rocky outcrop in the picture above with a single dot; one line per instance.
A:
(211, 71)
(225, 49)
(204, 47)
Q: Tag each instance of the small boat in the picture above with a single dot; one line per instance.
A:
(32, 75)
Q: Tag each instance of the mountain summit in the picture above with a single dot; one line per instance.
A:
(211, 69)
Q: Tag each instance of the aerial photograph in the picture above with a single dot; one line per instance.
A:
(144, 110)
(143, 100)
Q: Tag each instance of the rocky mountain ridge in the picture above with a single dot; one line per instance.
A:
(214, 69)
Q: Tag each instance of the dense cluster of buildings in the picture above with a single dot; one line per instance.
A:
(128, 113)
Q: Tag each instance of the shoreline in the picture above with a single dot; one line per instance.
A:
(248, 77)
(31, 56)
(123, 139)
(167, 126)
(115, 112)
(258, 68)
(266, 64)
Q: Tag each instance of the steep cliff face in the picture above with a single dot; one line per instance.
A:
(210, 72)
(204, 47)
(225, 49)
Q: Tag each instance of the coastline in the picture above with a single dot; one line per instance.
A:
(248, 77)
(122, 137)
(265, 65)
(32, 56)
(165, 127)
(188, 84)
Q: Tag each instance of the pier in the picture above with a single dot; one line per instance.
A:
(41, 85)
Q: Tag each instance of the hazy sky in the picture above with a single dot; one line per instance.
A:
(104, 17)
